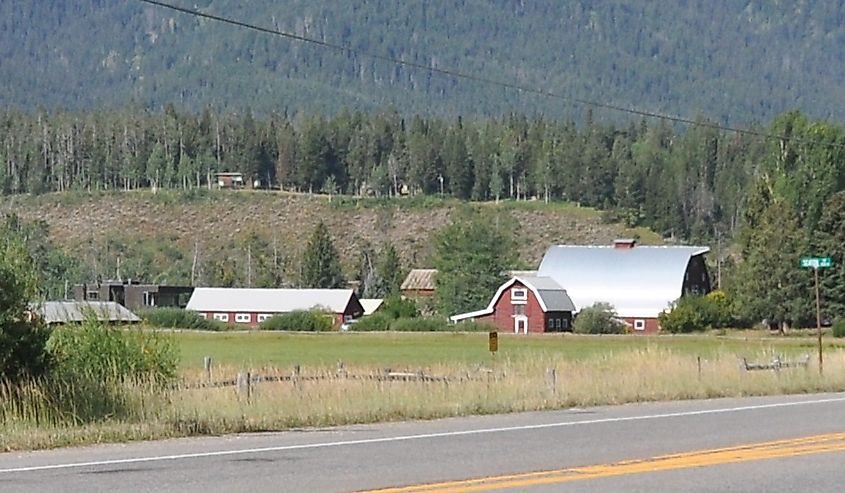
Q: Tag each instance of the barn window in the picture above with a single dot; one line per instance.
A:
(519, 309)
(639, 324)
(519, 294)
(242, 318)
(551, 323)
(263, 316)
(223, 317)
(564, 323)
(557, 323)
(92, 295)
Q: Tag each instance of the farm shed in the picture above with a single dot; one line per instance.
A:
(639, 281)
(133, 294)
(253, 306)
(64, 312)
(526, 304)
(419, 284)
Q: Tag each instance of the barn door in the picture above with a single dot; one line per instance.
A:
(520, 324)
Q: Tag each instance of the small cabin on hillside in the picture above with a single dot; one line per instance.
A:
(229, 179)
(526, 305)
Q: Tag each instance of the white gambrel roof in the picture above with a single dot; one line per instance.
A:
(268, 300)
(639, 282)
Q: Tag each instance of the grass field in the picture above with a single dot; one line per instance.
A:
(589, 371)
(260, 349)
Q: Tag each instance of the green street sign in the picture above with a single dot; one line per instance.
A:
(816, 262)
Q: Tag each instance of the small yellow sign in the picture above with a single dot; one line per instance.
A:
(494, 342)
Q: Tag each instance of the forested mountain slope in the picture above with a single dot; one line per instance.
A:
(737, 61)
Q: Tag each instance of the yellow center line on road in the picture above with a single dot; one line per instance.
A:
(795, 447)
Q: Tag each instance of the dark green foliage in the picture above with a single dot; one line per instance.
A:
(471, 256)
(177, 318)
(397, 307)
(302, 321)
(420, 325)
(391, 272)
(838, 328)
(321, 262)
(376, 322)
(597, 319)
(22, 344)
(698, 312)
(475, 326)
(667, 57)
(99, 352)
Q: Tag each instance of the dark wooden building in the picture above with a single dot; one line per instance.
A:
(134, 295)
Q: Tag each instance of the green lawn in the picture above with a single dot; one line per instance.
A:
(401, 350)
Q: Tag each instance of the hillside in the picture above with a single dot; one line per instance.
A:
(156, 235)
(737, 61)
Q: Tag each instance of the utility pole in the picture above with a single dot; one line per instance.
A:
(818, 319)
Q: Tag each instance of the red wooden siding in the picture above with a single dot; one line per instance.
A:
(503, 315)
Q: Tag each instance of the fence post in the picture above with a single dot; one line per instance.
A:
(244, 384)
(295, 377)
(699, 367)
(551, 379)
(341, 370)
(206, 364)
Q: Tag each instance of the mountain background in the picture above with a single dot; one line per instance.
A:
(734, 61)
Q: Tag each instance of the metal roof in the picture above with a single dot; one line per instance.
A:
(268, 300)
(419, 279)
(639, 282)
(54, 312)
(370, 305)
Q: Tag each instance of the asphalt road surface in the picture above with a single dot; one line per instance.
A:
(768, 444)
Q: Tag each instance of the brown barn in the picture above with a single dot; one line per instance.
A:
(419, 284)
(526, 305)
(639, 282)
(253, 306)
(229, 180)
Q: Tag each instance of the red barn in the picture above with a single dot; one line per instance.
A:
(253, 306)
(527, 304)
(639, 282)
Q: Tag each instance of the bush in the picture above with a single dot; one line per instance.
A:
(695, 313)
(597, 319)
(839, 328)
(395, 307)
(301, 320)
(475, 326)
(372, 323)
(96, 351)
(177, 318)
(420, 325)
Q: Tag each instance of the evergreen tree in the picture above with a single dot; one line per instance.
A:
(390, 272)
(471, 256)
(321, 262)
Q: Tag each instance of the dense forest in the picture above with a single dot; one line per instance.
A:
(736, 61)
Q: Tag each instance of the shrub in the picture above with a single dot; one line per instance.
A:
(694, 313)
(177, 318)
(475, 326)
(395, 307)
(597, 319)
(300, 320)
(420, 325)
(95, 351)
(839, 328)
(375, 322)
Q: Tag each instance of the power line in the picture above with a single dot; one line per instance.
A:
(474, 77)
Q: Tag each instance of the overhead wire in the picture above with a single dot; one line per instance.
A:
(474, 77)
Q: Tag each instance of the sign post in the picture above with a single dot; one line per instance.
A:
(817, 263)
(494, 342)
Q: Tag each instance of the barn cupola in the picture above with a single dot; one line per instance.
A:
(624, 243)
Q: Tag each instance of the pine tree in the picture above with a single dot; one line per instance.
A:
(390, 272)
(321, 262)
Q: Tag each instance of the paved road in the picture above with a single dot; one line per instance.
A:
(770, 444)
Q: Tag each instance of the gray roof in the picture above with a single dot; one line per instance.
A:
(54, 312)
(551, 294)
(639, 282)
(268, 300)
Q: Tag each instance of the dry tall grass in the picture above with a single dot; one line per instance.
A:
(32, 419)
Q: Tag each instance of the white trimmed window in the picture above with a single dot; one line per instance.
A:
(243, 318)
(222, 317)
(639, 324)
(519, 294)
(564, 323)
(263, 316)
(551, 323)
